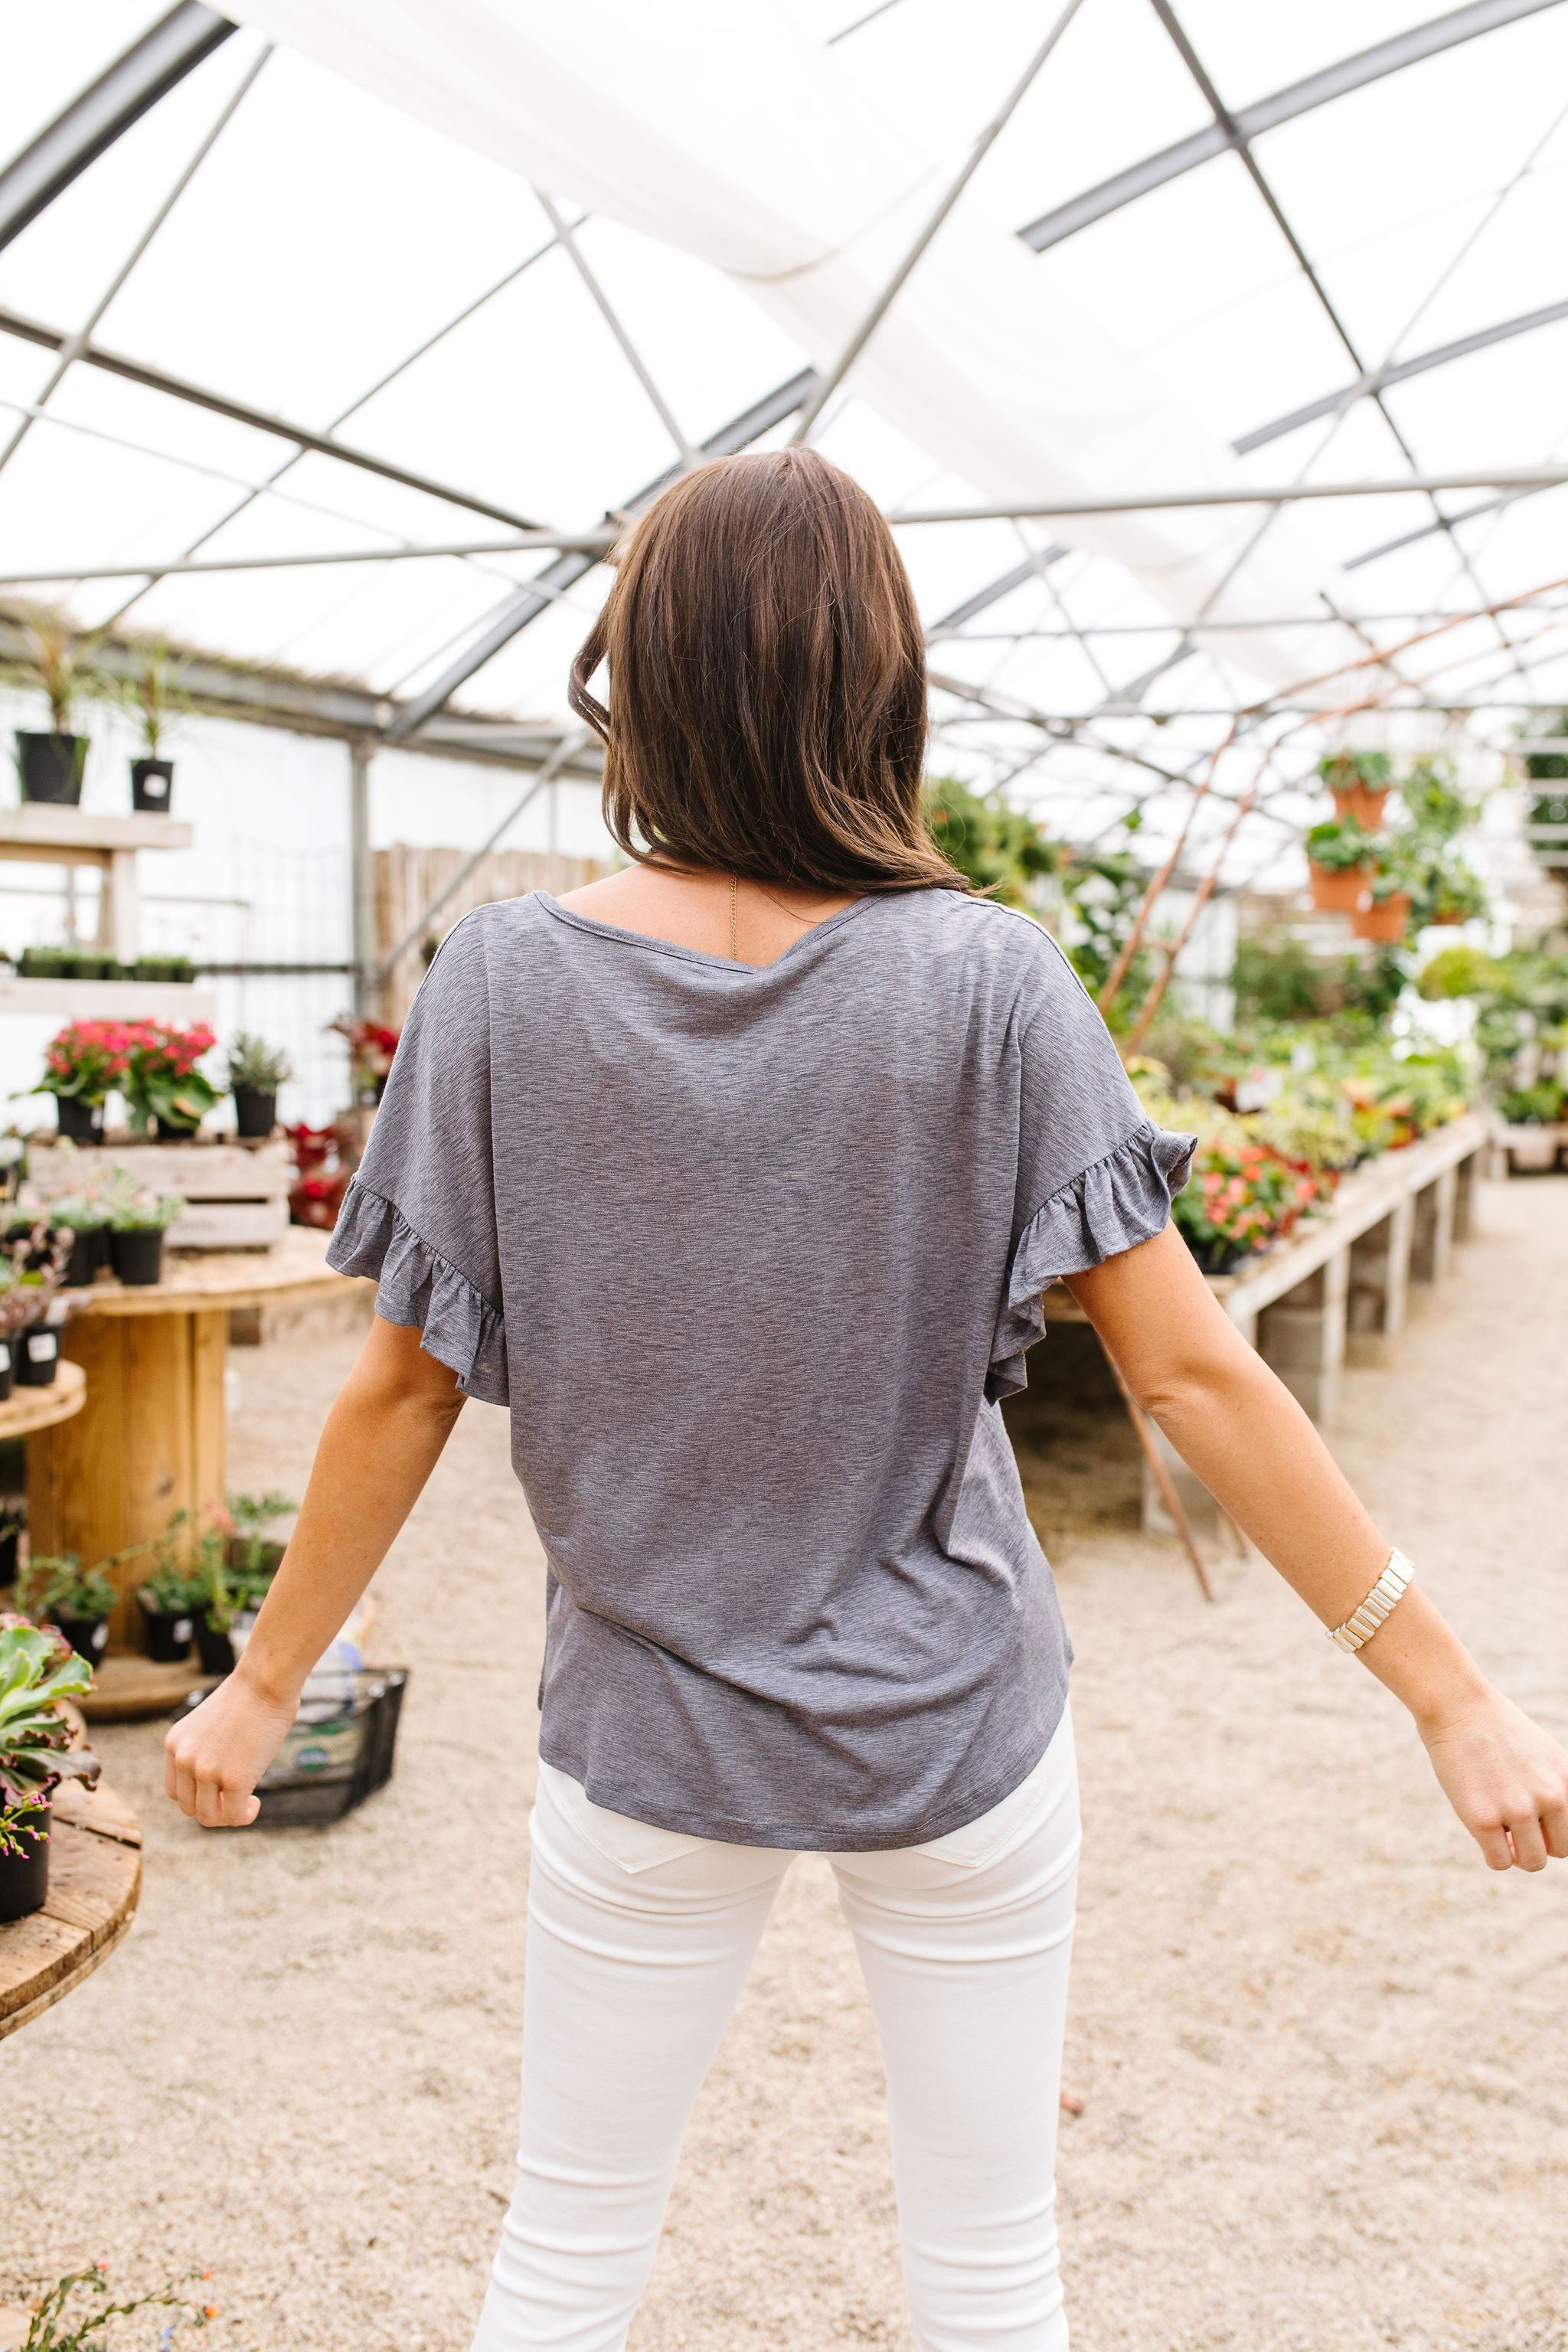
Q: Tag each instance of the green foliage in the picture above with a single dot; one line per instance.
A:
(1104, 891)
(153, 691)
(999, 848)
(1344, 769)
(1437, 808)
(57, 1584)
(1277, 980)
(175, 1593)
(1547, 767)
(66, 2319)
(37, 1668)
(1460, 971)
(1340, 844)
(58, 662)
(1541, 1104)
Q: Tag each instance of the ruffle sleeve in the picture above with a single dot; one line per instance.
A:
(1119, 1201)
(419, 1288)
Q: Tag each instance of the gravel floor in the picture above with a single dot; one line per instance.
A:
(1323, 2053)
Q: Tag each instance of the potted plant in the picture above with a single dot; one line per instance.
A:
(37, 1670)
(84, 1219)
(31, 1263)
(1386, 912)
(138, 1221)
(54, 661)
(256, 1071)
(166, 1093)
(169, 1602)
(371, 1049)
(1450, 892)
(79, 1600)
(1361, 783)
(1340, 857)
(83, 1063)
(154, 694)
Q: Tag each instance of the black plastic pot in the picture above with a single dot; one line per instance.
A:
(82, 1122)
(170, 1632)
(8, 1369)
(152, 785)
(137, 1253)
(214, 1648)
(37, 1357)
(51, 766)
(89, 1636)
(255, 1112)
(10, 1554)
(167, 1130)
(90, 1250)
(25, 1876)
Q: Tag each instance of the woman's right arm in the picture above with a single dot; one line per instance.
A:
(383, 1438)
(1244, 1434)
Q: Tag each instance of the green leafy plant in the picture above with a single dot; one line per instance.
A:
(1340, 844)
(175, 1593)
(254, 1064)
(1101, 894)
(1342, 770)
(1541, 1104)
(1000, 849)
(133, 1208)
(1436, 807)
(37, 1669)
(56, 1585)
(160, 1080)
(65, 2319)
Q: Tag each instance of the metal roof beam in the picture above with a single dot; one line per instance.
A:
(150, 69)
(1501, 478)
(31, 331)
(1400, 371)
(1248, 122)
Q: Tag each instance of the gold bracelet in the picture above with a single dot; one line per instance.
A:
(1377, 1607)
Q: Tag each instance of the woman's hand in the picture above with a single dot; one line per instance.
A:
(1505, 1778)
(214, 1756)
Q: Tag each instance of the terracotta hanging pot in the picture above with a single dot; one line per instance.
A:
(1364, 803)
(1338, 890)
(1384, 919)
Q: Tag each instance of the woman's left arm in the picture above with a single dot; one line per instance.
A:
(1244, 1434)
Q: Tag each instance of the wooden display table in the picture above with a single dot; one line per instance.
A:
(95, 1878)
(1337, 1286)
(152, 1438)
(27, 1409)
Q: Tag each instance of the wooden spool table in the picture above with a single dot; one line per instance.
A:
(152, 1438)
(95, 1878)
(26, 1411)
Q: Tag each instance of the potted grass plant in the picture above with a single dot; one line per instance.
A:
(256, 1071)
(138, 1220)
(37, 1670)
(155, 696)
(57, 1588)
(55, 661)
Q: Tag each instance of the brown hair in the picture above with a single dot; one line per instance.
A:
(767, 696)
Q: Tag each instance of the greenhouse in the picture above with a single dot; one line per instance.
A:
(394, 1015)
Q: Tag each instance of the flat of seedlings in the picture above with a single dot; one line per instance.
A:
(95, 1877)
(1321, 2050)
(26, 1409)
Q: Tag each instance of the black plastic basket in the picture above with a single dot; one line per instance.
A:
(337, 1752)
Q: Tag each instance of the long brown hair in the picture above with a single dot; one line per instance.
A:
(767, 696)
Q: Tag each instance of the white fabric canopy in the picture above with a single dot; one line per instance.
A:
(729, 134)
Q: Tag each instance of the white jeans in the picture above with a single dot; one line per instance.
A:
(638, 1944)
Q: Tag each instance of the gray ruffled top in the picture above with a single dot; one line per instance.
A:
(1119, 1201)
(751, 1254)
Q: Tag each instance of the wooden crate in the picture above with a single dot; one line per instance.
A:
(236, 1194)
(1518, 1150)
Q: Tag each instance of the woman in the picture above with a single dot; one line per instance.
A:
(739, 1175)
